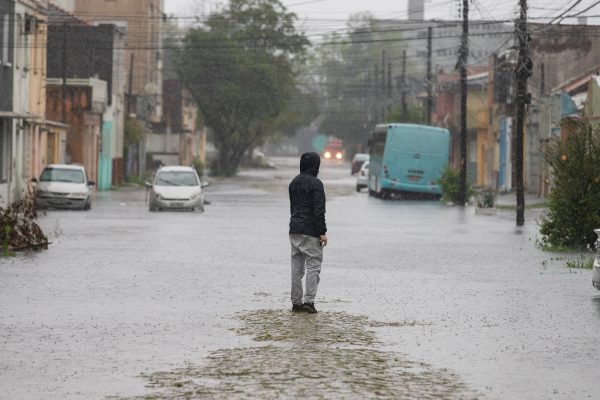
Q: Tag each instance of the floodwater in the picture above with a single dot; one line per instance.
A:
(417, 301)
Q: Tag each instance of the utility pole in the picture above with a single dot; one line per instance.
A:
(130, 89)
(383, 102)
(404, 106)
(429, 79)
(523, 72)
(63, 88)
(389, 89)
(462, 62)
(369, 99)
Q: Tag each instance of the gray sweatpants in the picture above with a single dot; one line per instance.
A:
(307, 255)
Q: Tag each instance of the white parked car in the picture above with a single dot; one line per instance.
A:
(362, 180)
(64, 186)
(176, 188)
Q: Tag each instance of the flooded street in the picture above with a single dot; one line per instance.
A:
(417, 300)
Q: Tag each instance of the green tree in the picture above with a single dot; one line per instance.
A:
(413, 115)
(239, 67)
(353, 97)
(574, 203)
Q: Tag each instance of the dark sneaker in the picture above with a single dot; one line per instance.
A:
(309, 308)
(298, 308)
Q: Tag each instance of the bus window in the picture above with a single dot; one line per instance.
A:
(378, 143)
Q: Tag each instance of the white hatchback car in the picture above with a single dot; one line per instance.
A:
(64, 186)
(176, 188)
(362, 180)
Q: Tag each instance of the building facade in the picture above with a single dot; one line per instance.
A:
(7, 32)
(83, 50)
(85, 102)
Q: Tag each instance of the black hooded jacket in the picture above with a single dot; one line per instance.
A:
(307, 199)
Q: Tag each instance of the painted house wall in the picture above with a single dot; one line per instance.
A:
(101, 54)
(85, 104)
(143, 20)
(37, 99)
(6, 98)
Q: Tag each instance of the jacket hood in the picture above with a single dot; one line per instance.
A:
(310, 163)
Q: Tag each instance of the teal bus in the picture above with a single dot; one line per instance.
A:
(407, 158)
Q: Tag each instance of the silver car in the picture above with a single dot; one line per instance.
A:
(176, 188)
(63, 186)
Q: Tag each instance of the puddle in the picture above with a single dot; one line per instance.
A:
(322, 356)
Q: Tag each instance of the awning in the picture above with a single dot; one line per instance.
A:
(54, 124)
(32, 117)
(12, 114)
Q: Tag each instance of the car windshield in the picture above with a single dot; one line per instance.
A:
(62, 175)
(176, 178)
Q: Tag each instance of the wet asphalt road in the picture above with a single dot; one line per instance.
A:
(417, 300)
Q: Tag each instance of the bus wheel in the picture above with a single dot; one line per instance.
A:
(386, 194)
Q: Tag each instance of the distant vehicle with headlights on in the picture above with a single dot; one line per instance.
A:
(176, 188)
(63, 186)
(362, 180)
(334, 150)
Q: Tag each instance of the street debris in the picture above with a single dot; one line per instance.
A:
(18, 229)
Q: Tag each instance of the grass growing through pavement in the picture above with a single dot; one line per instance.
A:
(581, 264)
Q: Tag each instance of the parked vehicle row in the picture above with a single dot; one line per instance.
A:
(67, 187)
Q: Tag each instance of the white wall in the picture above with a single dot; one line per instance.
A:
(68, 5)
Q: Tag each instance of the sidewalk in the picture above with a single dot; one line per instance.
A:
(510, 199)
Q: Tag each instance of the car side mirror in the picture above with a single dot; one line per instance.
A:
(91, 183)
(34, 180)
(204, 184)
(148, 184)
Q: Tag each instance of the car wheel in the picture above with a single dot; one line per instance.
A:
(357, 188)
(88, 206)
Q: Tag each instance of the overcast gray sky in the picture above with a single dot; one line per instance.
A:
(327, 15)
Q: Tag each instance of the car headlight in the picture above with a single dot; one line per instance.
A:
(327, 155)
(194, 196)
(338, 156)
(158, 196)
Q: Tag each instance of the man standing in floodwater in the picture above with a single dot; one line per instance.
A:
(307, 231)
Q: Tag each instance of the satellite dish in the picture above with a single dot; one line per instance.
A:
(151, 88)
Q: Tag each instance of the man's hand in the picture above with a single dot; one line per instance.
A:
(323, 240)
